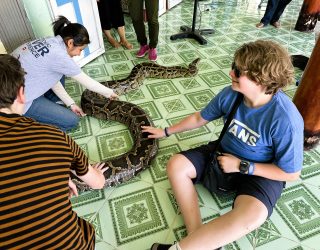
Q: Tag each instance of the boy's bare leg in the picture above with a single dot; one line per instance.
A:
(248, 214)
(181, 172)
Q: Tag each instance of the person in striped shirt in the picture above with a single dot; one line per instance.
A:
(35, 186)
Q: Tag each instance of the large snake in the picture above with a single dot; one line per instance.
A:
(124, 167)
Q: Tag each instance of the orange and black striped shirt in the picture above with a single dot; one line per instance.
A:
(35, 211)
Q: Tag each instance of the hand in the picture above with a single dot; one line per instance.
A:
(77, 110)
(229, 163)
(72, 189)
(153, 132)
(100, 167)
(113, 96)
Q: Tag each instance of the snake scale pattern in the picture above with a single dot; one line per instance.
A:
(126, 166)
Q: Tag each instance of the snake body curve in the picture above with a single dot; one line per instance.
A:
(126, 166)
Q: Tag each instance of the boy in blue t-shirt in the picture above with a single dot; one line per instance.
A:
(263, 145)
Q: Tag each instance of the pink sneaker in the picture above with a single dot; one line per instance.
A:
(153, 54)
(143, 50)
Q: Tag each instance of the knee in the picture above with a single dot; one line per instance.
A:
(255, 221)
(171, 165)
(252, 212)
(177, 166)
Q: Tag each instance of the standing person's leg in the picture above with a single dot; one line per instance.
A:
(123, 40)
(271, 8)
(152, 9)
(118, 22)
(111, 39)
(136, 13)
(45, 111)
(278, 12)
(105, 13)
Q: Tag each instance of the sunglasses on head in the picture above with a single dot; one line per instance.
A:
(235, 69)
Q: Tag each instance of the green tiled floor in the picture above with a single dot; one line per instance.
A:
(142, 211)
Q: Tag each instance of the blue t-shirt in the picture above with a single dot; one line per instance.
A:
(272, 133)
(45, 60)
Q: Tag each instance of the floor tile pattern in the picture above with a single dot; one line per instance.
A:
(300, 210)
(136, 214)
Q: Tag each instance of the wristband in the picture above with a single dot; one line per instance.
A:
(251, 168)
(71, 105)
(166, 132)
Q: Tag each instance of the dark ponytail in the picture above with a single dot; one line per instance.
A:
(67, 30)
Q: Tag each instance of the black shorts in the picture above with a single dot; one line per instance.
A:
(266, 190)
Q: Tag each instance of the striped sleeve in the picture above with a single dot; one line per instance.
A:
(80, 161)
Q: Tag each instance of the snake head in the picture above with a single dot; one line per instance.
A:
(193, 66)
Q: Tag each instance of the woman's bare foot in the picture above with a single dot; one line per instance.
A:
(114, 42)
(126, 44)
(111, 40)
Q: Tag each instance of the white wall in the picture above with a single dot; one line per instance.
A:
(2, 49)
(38, 13)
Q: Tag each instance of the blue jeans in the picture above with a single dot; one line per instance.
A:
(46, 111)
(274, 10)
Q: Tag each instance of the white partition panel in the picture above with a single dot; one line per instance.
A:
(86, 13)
(172, 3)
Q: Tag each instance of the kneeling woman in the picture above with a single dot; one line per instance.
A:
(46, 61)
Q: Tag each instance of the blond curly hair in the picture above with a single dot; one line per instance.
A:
(267, 63)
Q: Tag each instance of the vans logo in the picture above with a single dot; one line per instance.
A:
(243, 132)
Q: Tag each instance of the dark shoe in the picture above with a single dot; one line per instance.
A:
(158, 246)
(276, 24)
